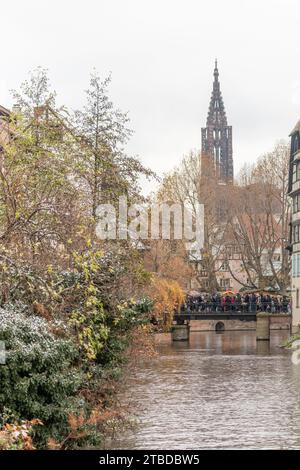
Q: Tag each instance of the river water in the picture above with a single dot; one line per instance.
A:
(219, 391)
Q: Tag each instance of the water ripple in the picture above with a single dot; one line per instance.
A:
(217, 392)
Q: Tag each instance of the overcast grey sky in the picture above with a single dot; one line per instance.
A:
(161, 54)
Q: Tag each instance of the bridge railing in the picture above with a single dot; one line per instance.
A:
(236, 307)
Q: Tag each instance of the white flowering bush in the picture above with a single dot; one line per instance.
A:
(38, 379)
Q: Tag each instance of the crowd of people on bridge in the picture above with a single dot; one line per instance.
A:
(245, 303)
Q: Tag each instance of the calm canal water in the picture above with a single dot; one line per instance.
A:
(219, 391)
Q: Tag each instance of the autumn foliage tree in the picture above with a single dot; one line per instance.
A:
(168, 297)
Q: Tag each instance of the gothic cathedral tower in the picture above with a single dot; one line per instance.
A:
(217, 135)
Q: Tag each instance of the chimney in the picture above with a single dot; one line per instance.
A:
(16, 109)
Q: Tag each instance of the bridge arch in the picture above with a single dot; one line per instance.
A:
(220, 326)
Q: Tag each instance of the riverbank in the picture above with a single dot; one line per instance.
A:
(288, 344)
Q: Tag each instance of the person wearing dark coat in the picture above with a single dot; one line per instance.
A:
(253, 301)
(238, 302)
(247, 301)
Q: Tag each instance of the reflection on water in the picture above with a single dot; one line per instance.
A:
(217, 391)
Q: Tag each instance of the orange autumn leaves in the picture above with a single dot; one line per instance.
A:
(168, 296)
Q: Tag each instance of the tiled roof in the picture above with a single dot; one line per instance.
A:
(4, 111)
(296, 128)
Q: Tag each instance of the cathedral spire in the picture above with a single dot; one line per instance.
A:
(216, 71)
(216, 111)
(217, 136)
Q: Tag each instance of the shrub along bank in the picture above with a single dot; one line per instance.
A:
(60, 370)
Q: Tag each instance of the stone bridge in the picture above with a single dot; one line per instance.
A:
(230, 321)
(278, 321)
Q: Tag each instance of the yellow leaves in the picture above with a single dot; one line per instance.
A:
(168, 297)
(90, 323)
(76, 256)
(90, 354)
(91, 301)
(77, 319)
(92, 333)
(94, 266)
(18, 214)
(50, 269)
(91, 289)
(4, 267)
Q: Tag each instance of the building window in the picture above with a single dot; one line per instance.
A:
(295, 144)
(233, 252)
(296, 203)
(225, 283)
(296, 265)
(224, 267)
(296, 233)
(202, 272)
(296, 172)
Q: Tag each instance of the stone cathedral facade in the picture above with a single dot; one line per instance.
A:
(217, 167)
